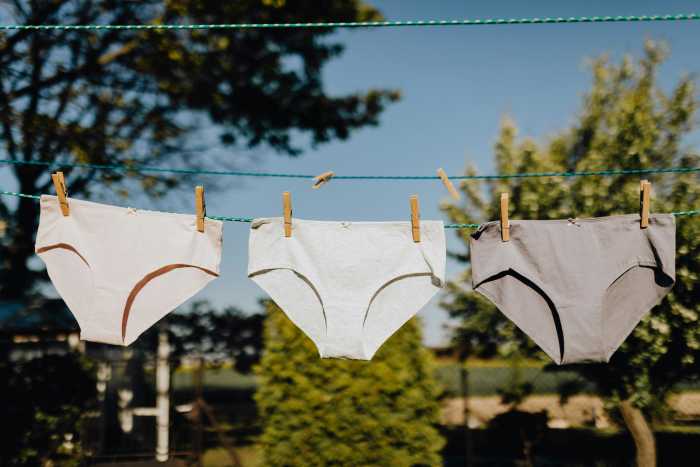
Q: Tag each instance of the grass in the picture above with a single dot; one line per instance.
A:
(215, 378)
(485, 377)
(688, 430)
(218, 457)
(487, 380)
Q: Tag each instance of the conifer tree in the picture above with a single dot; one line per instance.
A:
(336, 412)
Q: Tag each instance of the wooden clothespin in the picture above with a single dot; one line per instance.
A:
(415, 218)
(505, 223)
(448, 184)
(644, 202)
(319, 180)
(200, 206)
(60, 184)
(287, 208)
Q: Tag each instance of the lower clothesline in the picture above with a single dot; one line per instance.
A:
(695, 212)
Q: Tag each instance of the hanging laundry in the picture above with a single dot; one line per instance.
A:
(120, 270)
(577, 287)
(347, 285)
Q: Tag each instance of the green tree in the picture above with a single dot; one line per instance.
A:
(47, 398)
(160, 97)
(346, 412)
(626, 121)
(216, 335)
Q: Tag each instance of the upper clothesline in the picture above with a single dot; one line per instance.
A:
(53, 165)
(362, 24)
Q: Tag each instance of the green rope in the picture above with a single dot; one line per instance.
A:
(231, 219)
(462, 226)
(588, 173)
(19, 195)
(695, 212)
(361, 24)
(250, 219)
(144, 169)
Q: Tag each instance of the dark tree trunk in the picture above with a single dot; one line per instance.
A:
(641, 433)
(19, 281)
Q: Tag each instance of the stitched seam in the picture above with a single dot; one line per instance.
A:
(145, 280)
(63, 246)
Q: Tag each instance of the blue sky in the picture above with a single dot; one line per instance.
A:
(457, 83)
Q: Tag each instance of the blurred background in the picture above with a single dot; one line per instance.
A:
(226, 379)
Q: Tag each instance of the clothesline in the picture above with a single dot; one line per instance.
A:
(361, 24)
(695, 212)
(233, 173)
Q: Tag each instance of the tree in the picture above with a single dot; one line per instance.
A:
(160, 97)
(46, 401)
(627, 121)
(346, 412)
(215, 335)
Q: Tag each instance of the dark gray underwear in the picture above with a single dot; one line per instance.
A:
(576, 287)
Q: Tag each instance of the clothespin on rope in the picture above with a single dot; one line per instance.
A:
(415, 218)
(287, 210)
(59, 184)
(448, 184)
(319, 180)
(505, 223)
(644, 202)
(200, 206)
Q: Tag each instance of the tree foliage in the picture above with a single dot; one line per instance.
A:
(346, 412)
(216, 335)
(46, 400)
(160, 97)
(627, 120)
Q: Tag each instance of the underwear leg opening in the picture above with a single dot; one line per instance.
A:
(550, 304)
(419, 295)
(62, 246)
(387, 284)
(63, 278)
(145, 280)
(289, 304)
(623, 311)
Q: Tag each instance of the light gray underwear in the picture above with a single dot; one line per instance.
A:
(577, 287)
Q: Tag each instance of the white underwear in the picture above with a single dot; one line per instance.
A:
(348, 285)
(120, 270)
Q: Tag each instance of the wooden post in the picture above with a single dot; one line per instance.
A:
(163, 397)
